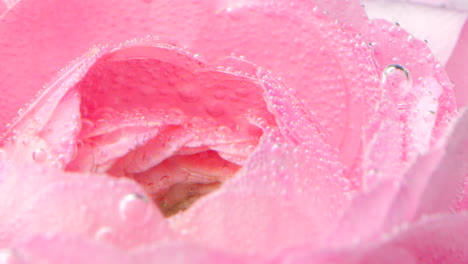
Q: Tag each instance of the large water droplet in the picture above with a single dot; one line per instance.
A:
(134, 208)
(39, 155)
(104, 234)
(397, 81)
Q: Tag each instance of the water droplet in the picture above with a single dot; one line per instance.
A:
(39, 155)
(215, 110)
(134, 208)
(103, 233)
(397, 81)
(187, 94)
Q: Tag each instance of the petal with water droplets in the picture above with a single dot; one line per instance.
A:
(52, 201)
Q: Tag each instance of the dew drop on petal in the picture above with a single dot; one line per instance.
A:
(39, 155)
(397, 80)
(134, 208)
(103, 234)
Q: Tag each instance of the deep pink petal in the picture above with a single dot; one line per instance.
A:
(456, 68)
(313, 54)
(46, 37)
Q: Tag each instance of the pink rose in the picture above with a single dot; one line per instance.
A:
(226, 132)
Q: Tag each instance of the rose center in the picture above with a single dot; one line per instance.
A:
(178, 128)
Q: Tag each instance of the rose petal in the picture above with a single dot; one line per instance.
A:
(403, 126)
(187, 253)
(350, 12)
(318, 64)
(66, 249)
(421, 191)
(295, 45)
(261, 208)
(61, 249)
(51, 201)
(3, 7)
(436, 239)
(121, 109)
(46, 37)
(457, 64)
(441, 27)
(393, 45)
(418, 101)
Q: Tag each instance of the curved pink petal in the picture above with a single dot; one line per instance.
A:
(319, 65)
(421, 191)
(441, 27)
(65, 249)
(418, 101)
(272, 203)
(47, 38)
(418, 59)
(403, 126)
(315, 56)
(456, 68)
(47, 201)
(436, 239)
(61, 249)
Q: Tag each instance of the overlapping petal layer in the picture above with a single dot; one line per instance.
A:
(277, 153)
(435, 239)
(48, 200)
(422, 190)
(315, 56)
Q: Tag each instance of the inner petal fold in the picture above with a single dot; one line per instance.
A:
(178, 127)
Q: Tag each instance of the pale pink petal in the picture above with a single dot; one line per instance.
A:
(46, 130)
(177, 252)
(393, 45)
(441, 27)
(417, 106)
(453, 4)
(432, 184)
(403, 126)
(57, 249)
(436, 239)
(456, 68)
(47, 200)
(349, 12)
